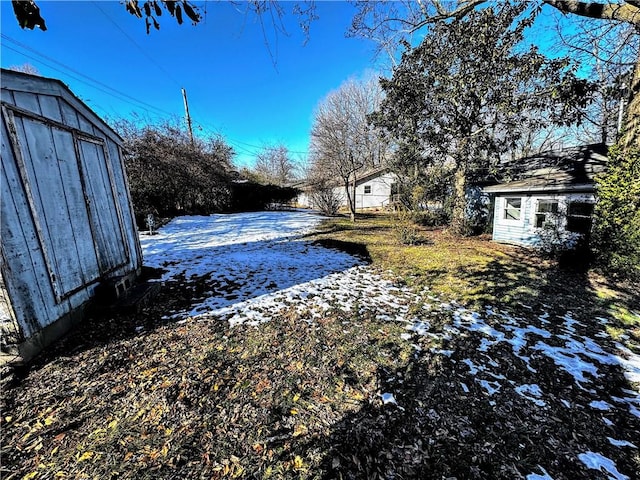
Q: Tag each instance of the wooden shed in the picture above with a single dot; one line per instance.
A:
(66, 220)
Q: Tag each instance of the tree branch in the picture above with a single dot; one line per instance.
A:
(628, 12)
(443, 14)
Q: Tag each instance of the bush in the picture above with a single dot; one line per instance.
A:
(405, 228)
(616, 234)
(252, 196)
(554, 241)
(431, 218)
(325, 198)
(170, 175)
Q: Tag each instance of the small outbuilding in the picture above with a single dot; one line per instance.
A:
(66, 219)
(553, 190)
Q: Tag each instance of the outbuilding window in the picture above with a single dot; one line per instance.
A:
(367, 189)
(512, 208)
(545, 212)
(579, 217)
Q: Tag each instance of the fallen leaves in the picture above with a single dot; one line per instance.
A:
(296, 398)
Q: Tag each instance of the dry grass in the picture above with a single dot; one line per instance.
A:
(476, 271)
(298, 399)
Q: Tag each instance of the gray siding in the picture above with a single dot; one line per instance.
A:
(524, 231)
(66, 221)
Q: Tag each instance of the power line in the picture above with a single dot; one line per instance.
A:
(243, 145)
(70, 69)
(39, 61)
(121, 96)
(142, 50)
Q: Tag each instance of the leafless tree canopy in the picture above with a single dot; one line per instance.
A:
(275, 166)
(25, 68)
(343, 142)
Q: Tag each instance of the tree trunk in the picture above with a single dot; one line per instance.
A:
(353, 199)
(459, 213)
(631, 130)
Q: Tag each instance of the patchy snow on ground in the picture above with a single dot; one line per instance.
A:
(595, 461)
(257, 265)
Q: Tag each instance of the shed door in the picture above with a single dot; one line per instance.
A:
(48, 163)
(104, 211)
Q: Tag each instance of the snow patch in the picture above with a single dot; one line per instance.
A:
(620, 443)
(531, 392)
(596, 461)
(545, 475)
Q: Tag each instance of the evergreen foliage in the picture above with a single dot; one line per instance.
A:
(252, 196)
(616, 234)
(468, 93)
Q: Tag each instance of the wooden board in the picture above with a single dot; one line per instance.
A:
(103, 208)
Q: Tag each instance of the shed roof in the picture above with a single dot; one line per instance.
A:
(566, 170)
(25, 82)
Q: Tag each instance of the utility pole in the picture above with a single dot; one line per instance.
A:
(186, 112)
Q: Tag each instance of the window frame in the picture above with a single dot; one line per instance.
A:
(505, 209)
(579, 216)
(547, 215)
(365, 188)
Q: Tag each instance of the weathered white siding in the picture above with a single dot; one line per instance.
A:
(66, 222)
(523, 231)
(379, 191)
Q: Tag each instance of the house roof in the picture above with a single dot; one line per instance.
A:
(25, 82)
(369, 174)
(566, 170)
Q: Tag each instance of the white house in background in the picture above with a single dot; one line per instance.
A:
(374, 189)
(66, 220)
(557, 189)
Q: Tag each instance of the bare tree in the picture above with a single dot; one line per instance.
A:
(343, 142)
(274, 165)
(25, 68)
(607, 52)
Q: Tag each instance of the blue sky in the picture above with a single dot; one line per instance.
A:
(233, 86)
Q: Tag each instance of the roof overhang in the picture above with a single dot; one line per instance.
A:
(506, 188)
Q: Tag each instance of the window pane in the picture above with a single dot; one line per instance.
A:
(512, 208)
(513, 202)
(547, 206)
(581, 208)
(512, 214)
(367, 189)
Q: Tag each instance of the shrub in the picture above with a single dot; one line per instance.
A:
(325, 198)
(252, 196)
(431, 218)
(616, 234)
(170, 175)
(555, 242)
(405, 228)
